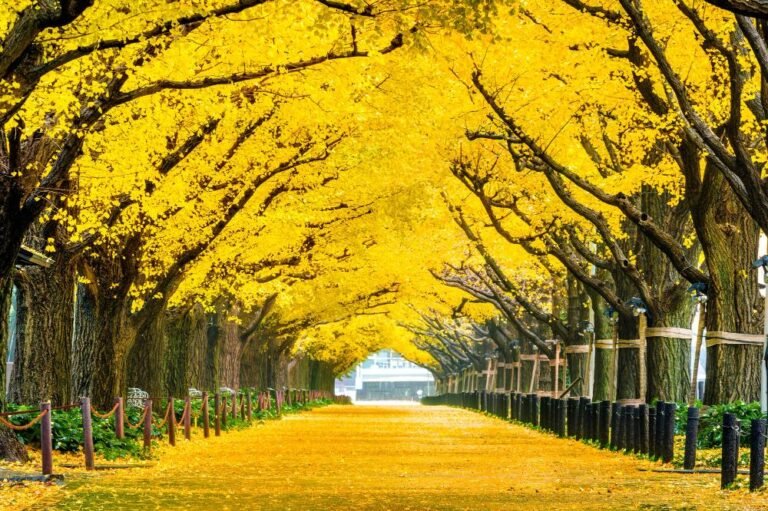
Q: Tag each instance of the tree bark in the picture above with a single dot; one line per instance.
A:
(104, 332)
(253, 366)
(729, 238)
(668, 360)
(44, 336)
(147, 357)
(230, 350)
(84, 341)
(603, 357)
(186, 330)
(753, 8)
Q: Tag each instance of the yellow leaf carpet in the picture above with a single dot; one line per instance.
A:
(393, 457)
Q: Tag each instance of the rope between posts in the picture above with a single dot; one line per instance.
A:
(26, 426)
(106, 415)
(167, 414)
(184, 413)
(137, 425)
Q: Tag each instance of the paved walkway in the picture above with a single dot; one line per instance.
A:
(398, 458)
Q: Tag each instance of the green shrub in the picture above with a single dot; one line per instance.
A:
(711, 421)
(67, 432)
(67, 426)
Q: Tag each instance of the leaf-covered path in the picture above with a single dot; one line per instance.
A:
(403, 457)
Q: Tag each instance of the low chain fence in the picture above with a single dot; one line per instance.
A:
(177, 416)
(630, 427)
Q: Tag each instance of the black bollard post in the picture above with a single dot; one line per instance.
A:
(691, 433)
(757, 455)
(562, 406)
(544, 422)
(525, 408)
(730, 450)
(661, 412)
(643, 411)
(534, 409)
(636, 429)
(570, 420)
(605, 423)
(593, 414)
(621, 428)
(615, 425)
(669, 433)
(596, 421)
(581, 418)
(552, 415)
(651, 432)
(626, 427)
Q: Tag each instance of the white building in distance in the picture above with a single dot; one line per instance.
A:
(386, 375)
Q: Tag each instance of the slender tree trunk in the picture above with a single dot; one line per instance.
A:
(603, 356)
(628, 382)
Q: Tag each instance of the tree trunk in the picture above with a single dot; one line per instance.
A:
(230, 350)
(628, 381)
(321, 376)
(603, 357)
(253, 366)
(668, 360)
(44, 336)
(104, 332)
(84, 341)
(104, 321)
(147, 357)
(186, 330)
(729, 238)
